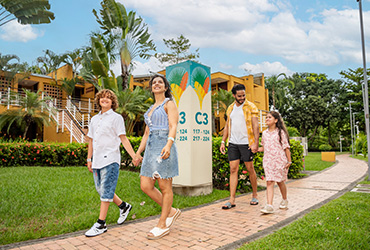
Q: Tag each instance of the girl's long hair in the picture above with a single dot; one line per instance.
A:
(167, 94)
(280, 125)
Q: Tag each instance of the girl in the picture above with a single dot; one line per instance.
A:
(276, 159)
(160, 161)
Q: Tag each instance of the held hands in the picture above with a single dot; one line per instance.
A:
(254, 147)
(137, 159)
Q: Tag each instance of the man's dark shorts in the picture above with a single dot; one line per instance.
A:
(239, 152)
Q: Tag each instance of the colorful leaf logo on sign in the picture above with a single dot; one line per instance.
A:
(201, 82)
(178, 79)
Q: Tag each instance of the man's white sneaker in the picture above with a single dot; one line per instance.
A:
(284, 204)
(96, 230)
(267, 209)
(123, 213)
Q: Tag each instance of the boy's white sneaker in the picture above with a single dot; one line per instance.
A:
(267, 209)
(96, 230)
(284, 204)
(123, 213)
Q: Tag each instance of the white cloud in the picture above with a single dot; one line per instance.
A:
(267, 68)
(140, 68)
(15, 32)
(264, 27)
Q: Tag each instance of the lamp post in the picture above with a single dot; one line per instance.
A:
(350, 121)
(366, 94)
(354, 131)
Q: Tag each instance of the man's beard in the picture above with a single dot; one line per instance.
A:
(240, 101)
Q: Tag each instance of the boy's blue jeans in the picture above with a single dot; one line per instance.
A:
(106, 181)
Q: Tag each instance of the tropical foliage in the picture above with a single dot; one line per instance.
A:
(318, 107)
(25, 11)
(31, 110)
(132, 106)
(74, 59)
(50, 62)
(134, 37)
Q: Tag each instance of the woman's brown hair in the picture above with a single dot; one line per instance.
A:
(108, 94)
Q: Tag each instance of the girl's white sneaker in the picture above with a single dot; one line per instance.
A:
(267, 209)
(284, 204)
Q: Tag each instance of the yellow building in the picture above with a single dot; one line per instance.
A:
(256, 92)
(73, 114)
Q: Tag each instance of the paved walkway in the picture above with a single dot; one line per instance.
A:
(210, 227)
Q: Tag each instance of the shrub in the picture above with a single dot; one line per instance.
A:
(359, 142)
(42, 154)
(364, 148)
(126, 158)
(221, 168)
(75, 154)
(293, 132)
(325, 147)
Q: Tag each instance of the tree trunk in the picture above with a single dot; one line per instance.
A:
(124, 76)
(314, 133)
(25, 131)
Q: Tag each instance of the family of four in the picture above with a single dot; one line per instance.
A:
(160, 160)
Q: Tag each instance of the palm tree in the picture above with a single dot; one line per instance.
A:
(96, 66)
(32, 109)
(134, 38)
(4, 62)
(272, 83)
(69, 85)
(132, 106)
(50, 62)
(25, 11)
(220, 101)
(74, 59)
(9, 69)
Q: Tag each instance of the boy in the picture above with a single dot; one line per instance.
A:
(106, 132)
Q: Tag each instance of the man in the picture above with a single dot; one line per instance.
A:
(242, 128)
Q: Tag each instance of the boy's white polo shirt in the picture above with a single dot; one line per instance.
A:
(104, 130)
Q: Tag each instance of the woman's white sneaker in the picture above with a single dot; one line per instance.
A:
(267, 209)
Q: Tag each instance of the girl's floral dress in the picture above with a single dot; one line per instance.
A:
(274, 157)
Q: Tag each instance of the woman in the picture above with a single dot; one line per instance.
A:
(160, 161)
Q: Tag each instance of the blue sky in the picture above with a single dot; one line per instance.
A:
(236, 36)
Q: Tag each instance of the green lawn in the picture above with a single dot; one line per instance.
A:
(341, 224)
(360, 157)
(38, 202)
(313, 162)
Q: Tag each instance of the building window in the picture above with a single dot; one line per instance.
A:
(5, 83)
(222, 85)
(54, 92)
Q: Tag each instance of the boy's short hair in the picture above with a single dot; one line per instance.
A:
(109, 94)
(237, 87)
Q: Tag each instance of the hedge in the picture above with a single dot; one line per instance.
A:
(52, 154)
(221, 169)
(75, 154)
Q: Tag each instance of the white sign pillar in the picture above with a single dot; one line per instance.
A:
(191, 88)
